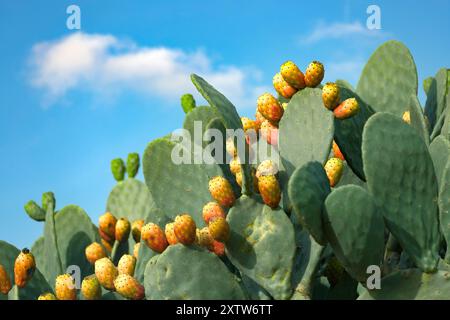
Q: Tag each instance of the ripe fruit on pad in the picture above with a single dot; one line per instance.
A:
(269, 132)
(94, 251)
(337, 152)
(221, 191)
(219, 229)
(346, 109)
(107, 245)
(314, 74)
(330, 95)
(292, 75)
(170, 234)
(185, 229)
(24, 268)
(282, 87)
(107, 226)
(235, 165)
(218, 248)
(249, 124)
(270, 190)
(136, 250)
(123, 229)
(267, 168)
(154, 237)
(270, 107)
(90, 288)
(65, 287)
(334, 168)
(136, 228)
(204, 238)
(127, 264)
(212, 210)
(129, 287)
(106, 272)
(47, 296)
(5, 281)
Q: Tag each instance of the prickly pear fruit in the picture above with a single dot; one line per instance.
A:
(24, 268)
(267, 168)
(282, 87)
(269, 190)
(90, 288)
(127, 264)
(204, 238)
(219, 229)
(5, 281)
(187, 102)
(406, 117)
(330, 95)
(107, 226)
(154, 237)
(133, 164)
(334, 168)
(269, 132)
(346, 109)
(65, 287)
(259, 118)
(118, 169)
(235, 165)
(47, 296)
(248, 124)
(185, 229)
(212, 210)
(136, 228)
(221, 191)
(129, 287)
(270, 107)
(170, 234)
(106, 272)
(94, 251)
(292, 75)
(123, 229)
(218, 248)
(136, 250)
(230, 147)
(107, 245)
(314, 74)
(337, 152)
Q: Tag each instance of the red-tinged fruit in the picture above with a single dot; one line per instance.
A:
(221, 191)
(65, 288)
(248, 124)
(269, 189)
(107, 245)
(24, 268)
(219, 229)
(337, 152)
(94, 251)
(269, 132)
(185, 229)
(123, 228)
(204, 238)
(270, 107)
(259, 118)
(126, 264)
(136, 228)
(107, 227)
(5, 281)
(314, 74)
(346, 109)
(330, 95)
(293, 75)
(334, 169)
(212, 210)
(218, 248)
(282, 87)
(128, 287)
(170, 234)
(47, 296)
(154, 237)
(90, 288)
(106, 272)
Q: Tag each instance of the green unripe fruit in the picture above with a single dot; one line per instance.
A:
(187, 102)
(34, 211)
(132, 164)
(48, 201)
(118, 169)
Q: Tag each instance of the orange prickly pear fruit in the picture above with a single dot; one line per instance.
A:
(123, 229)
(218, 248)
(90, 288)
(170, 234)
(106, 272)
(330, 95)
(269, 132)
(248, 124)
(127, 264)
(292, 75)
(5, 281)
(235, 165)
(107, 227)
(212, 210)
(334, 168)
(47, 296)
(204, 238)
(314, 74)
(221, 191)
(259, 119)
(185, 229)
(337, 152)
(230, 147)
(282, 87)
(136, 250)
(269, 190)
(154, 237)
(267, 168)
(219, 229)
(107, 245)
(129, 287)
(346, 109)
(65, 287)
(24, 268)
(94, 251)
(136, 228)
(270, 107)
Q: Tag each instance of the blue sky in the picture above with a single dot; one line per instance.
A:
(71, 101)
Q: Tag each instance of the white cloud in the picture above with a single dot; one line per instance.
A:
(339, 30)
(107, 66)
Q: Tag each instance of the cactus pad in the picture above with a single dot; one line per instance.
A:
(440, 153)
(444, 206)
(435, 104)
(417, 119)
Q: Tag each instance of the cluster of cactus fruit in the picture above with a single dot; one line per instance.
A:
(363, 182)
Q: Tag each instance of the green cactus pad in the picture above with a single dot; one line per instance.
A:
(444, 207)
(440, 153)
(400, 176)
(262, 245)
(349, 177)
(48, 201)
(308, 189)
(187, 102)
(254, 290)
(345, 84)
(37, 284)
(189, 273)
(34, 211)
(200, 114)
(132, 164)
(118, 169)
(445, 131)
(38, 251)
(53, 266)
(355, 229)
(348, 133)
(177, 188)
(132, 200)
(436, 93)
(418, 121)
(427, 84)
(305, 131)
(389, 79)
(411, 284)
